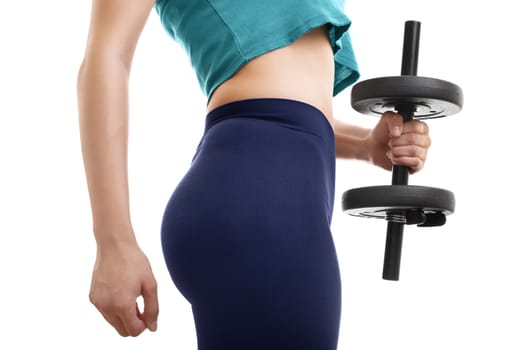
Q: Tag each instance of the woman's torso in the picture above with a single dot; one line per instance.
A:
(302, 71)
(290, 49)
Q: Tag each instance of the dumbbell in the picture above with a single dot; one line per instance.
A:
(412, 97)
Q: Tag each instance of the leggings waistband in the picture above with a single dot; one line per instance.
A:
(290, 112)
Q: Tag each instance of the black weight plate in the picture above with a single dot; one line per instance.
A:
(432, 98)
(380, 201)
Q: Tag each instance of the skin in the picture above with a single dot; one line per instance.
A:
(302, 71)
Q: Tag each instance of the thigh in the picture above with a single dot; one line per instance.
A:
(256, 282)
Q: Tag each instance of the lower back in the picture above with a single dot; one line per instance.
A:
(302, 71)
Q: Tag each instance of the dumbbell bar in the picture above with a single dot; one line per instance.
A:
(414, 98)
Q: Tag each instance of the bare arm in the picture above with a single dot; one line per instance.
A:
(121, 272)
(389, 142)
(349, 141)
(103, 110)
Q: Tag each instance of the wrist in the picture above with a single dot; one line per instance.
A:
(353, 146)
(352, 142)
(368, 147)
(114, 235)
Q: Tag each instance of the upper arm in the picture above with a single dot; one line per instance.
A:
(115, 27)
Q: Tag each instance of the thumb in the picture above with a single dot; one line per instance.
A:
(395, 123)
(151, 305)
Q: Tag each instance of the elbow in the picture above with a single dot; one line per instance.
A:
(81, 75)
(86, 73)
(102, 82)
(100, 72)
(100, 63)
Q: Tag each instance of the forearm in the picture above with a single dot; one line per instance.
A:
(103, 122)
(350, 141)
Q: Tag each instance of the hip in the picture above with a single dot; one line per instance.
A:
(260, 154)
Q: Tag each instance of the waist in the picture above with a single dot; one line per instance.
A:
(292, 114)
(302, 71)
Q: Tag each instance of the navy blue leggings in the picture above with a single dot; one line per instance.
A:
(246, 234)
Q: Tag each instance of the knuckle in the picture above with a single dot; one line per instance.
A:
(422, 127)
(121, 332)
(424, 153)
(110, 305)
(98, 302)
(151, 287)
(414, 151)
(135, 333)
(135, 328)
(92, 299)
(414, 139)
(426, 129)
(409, 151)
(118, 306)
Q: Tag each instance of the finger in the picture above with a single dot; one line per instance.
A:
(116, 323)
(414, 164)
(132, 323)
(151, 305)
(408, 139)
(395, 123)
(416, 126)
(410, 156)
(410, 151)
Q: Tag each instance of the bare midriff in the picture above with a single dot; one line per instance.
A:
(302, 71)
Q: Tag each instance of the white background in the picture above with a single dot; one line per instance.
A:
(461, 285)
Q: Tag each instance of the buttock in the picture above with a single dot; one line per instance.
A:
(246, 234)
(269, 145)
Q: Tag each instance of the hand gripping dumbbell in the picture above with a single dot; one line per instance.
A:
(400, 204)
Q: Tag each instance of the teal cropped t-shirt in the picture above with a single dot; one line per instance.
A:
(220, 36)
